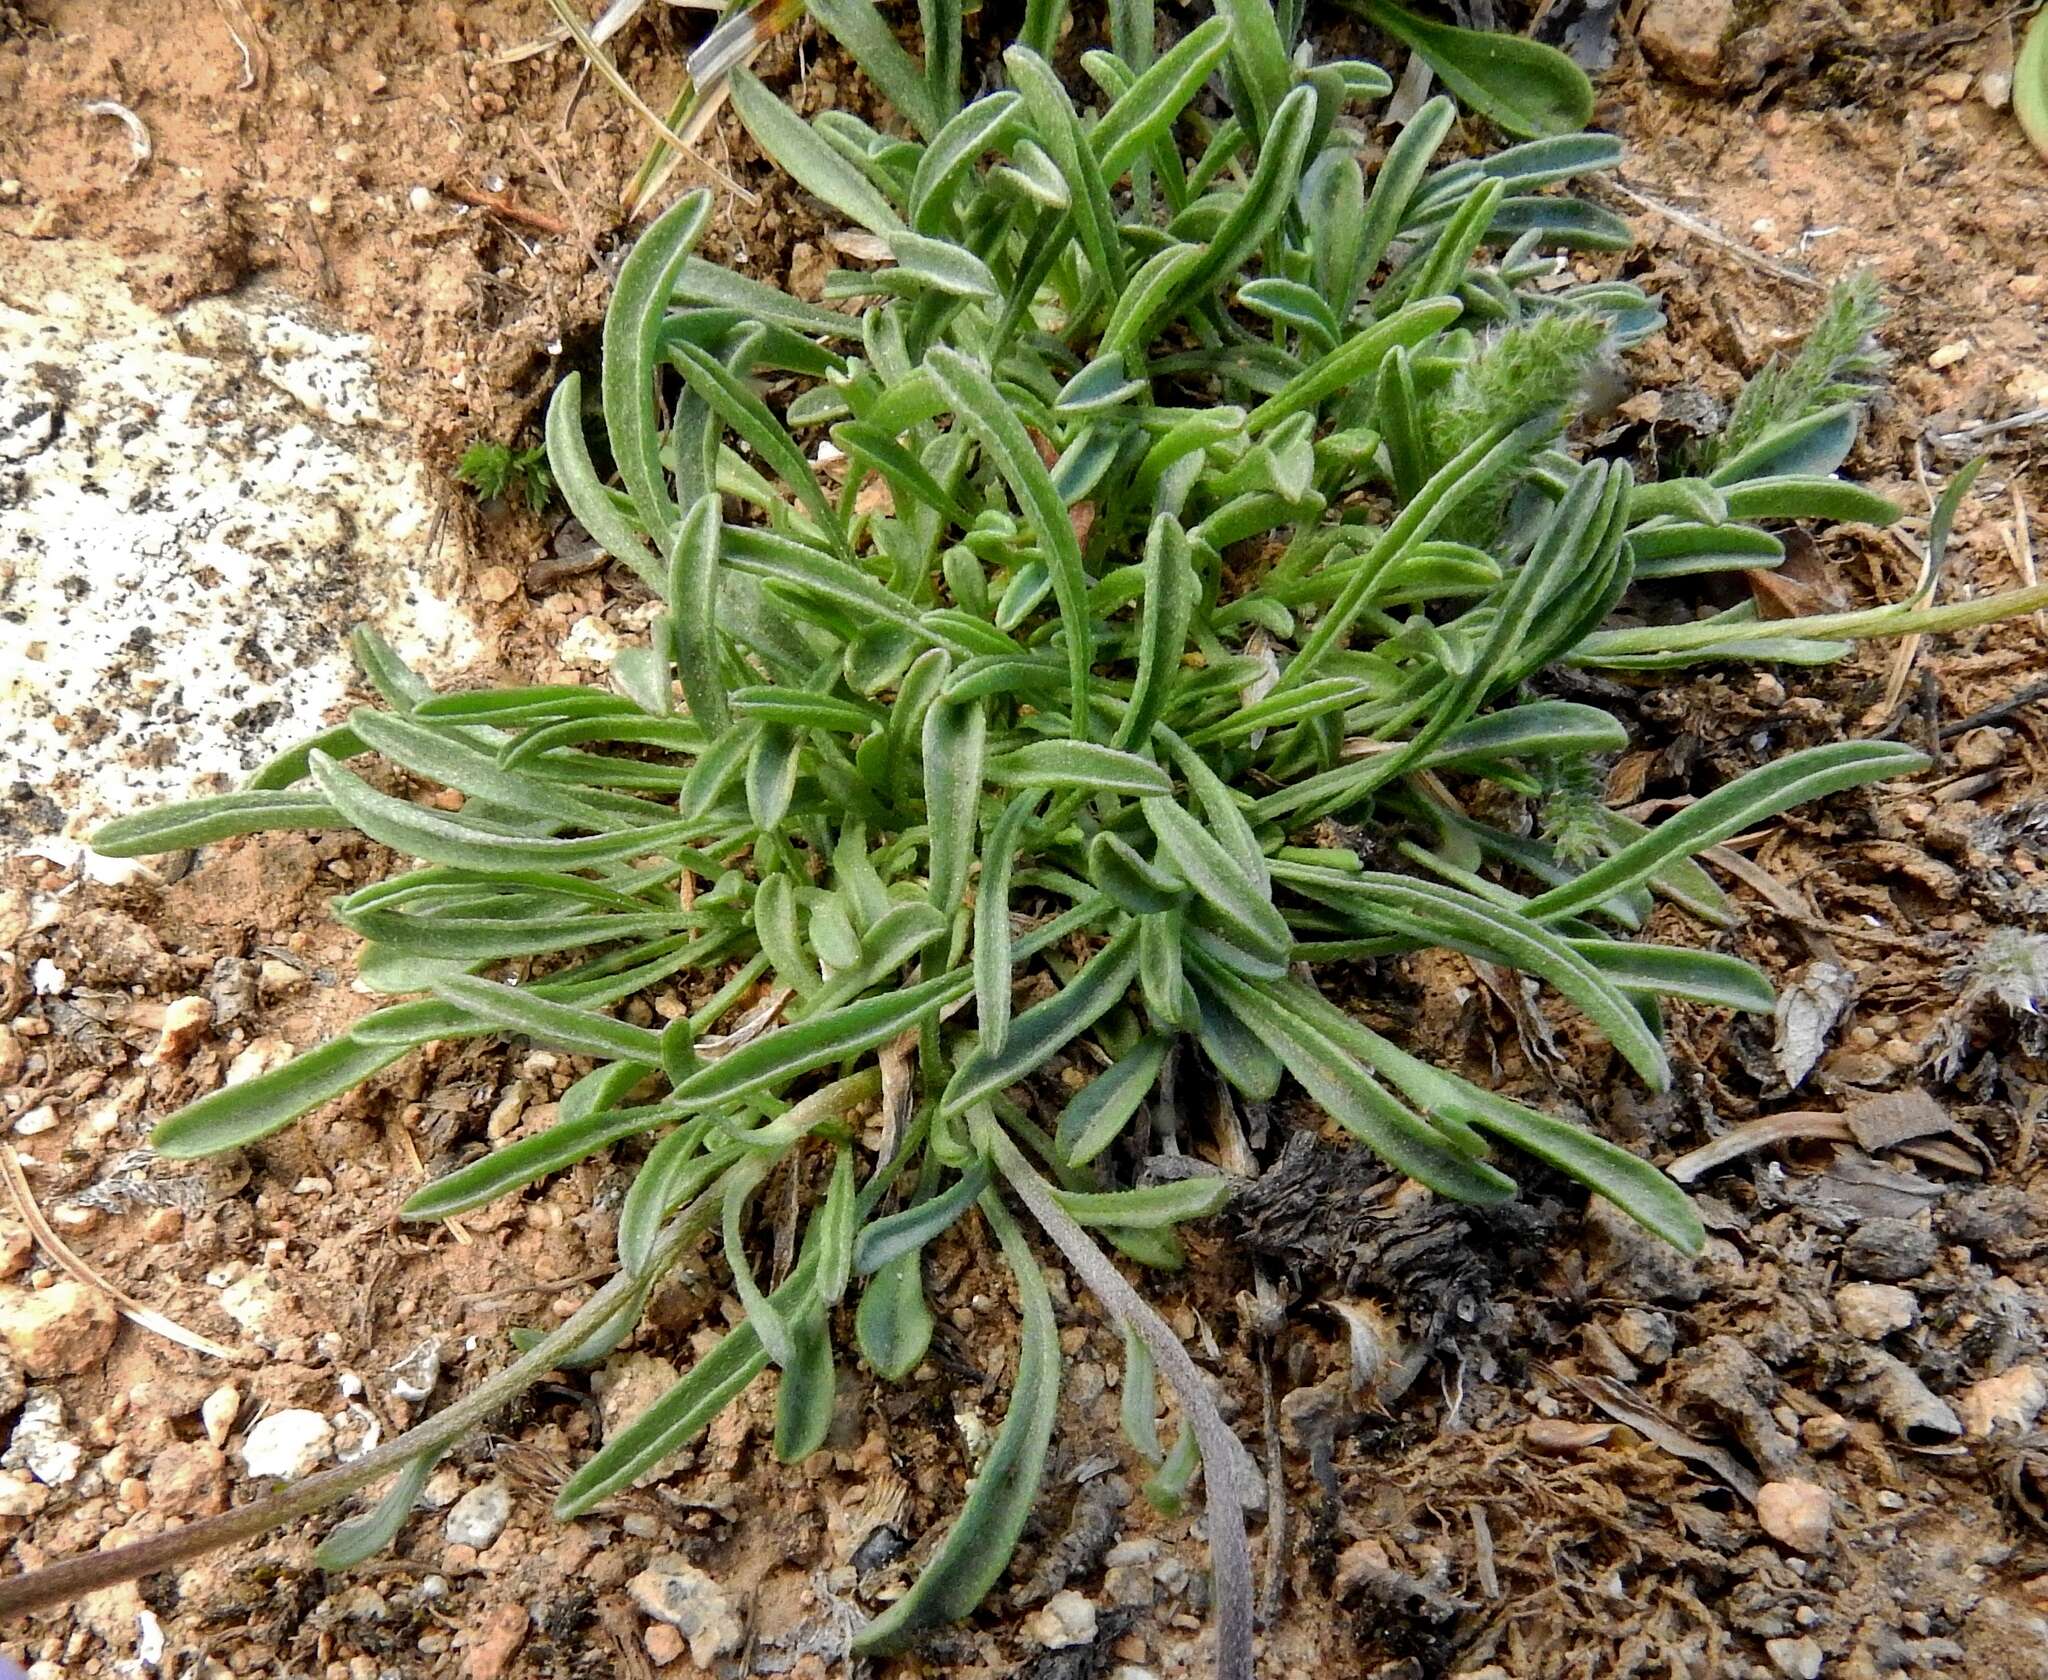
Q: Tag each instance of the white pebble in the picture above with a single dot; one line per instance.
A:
(421, 200)
(479, 1516)
(289, 1443)
(218, 1412)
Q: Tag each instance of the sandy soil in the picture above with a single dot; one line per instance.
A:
(1567, 1483)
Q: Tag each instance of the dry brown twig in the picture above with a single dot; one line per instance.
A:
(130, 1308)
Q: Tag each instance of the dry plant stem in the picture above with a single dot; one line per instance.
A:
(1229, 1551)
(71, 1579)
(131, 1309)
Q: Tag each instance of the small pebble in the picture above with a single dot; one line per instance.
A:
(1872, 1311)
(1796, 1659)
(320, 205)
(40, 1444)
(217, 1412)
(2010, 1401)
(1064, 1620)
(421, 200)
(185, 1022)
(497, 583)
(663, 1644)
(694, 1604)
(289, 1443)
(59, 1331)
(40, 1119)
(1796, 1514)
(1950, 354)
(479, 1516)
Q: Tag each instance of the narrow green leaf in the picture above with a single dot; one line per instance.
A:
(992, 941)
(789, 140)
(778, 1057)
(955, 749)
(632, 333)
(1096, 1114)
(1079, 764)
(516, 1010)
(977, 1548)
(200, 822)
(994, 423)
(1524, 86)
(1046, 1027)
(1155, 1207)
(1763, 792)
(893, 1325)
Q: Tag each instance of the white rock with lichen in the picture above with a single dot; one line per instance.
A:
(193, 509)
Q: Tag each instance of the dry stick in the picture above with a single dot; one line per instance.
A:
(1229, 1551)
(63, 1582)
(131, 1309)
(1714, 236)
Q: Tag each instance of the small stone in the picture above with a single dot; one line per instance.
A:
(495, 1641)
(421, 200)
(1646, 1337)
(1979, 749)
(1796, 1514)
(1131, 1671)
(1950, 353)
(1685, 38)
(162, 1225)
(262, 1055)
(40, 1444)
(1796, 1659)
(17, 1249)
(2010, 1401)
(217, 1412)
(38, 1120)
(57, 1332)
(275, 978)
(413, 1377)
(1890, 1250)
(252, 1302)
(1872, 1311)
(185, 1022)
(189, 1479)
(690, 1601)
(663, 1644)
(21, 1495)
(13, 1386)
(1952, 85)
(497, 583)
(1064, 1620)
(590, 641)
(1824, 1432)
(289, 1443)
(479, 1516)
(320, 206)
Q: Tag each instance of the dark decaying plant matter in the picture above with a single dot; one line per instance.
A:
(1181, 500)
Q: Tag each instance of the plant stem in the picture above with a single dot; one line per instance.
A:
(1229, 1551)
(74, 1577)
